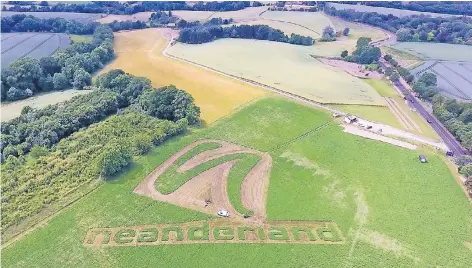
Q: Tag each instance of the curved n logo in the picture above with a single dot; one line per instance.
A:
(216, 165)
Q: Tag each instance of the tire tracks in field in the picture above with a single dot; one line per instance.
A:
(19, 43)
(36, 47)
(464, 96)
(452, 70)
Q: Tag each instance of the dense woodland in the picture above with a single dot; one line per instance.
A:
(49, 152)
(70, 66)
(456, 30)
(207, 33)
(131, 7)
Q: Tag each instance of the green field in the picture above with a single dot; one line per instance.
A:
(283, 66)
(80, 38)
(436, 51)
(392, 210)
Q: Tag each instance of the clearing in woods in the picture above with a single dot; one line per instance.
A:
(140, 53)
(381, 205)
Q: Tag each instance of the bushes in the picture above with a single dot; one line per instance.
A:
(113, 158)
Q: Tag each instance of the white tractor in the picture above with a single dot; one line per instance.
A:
(223, 213)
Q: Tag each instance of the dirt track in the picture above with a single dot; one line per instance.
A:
(212, 183)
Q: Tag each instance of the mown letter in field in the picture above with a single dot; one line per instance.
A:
(260, 233)
(328, 233)
(242, 232)
(125, 236)
(177, 230)
(307, 231)
(198, 232)
(278, 233)
(104, 235)
(223, 233)
(148, 235)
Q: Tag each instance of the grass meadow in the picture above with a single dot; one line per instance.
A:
(392, 210)
(283, 66)
(140, 53)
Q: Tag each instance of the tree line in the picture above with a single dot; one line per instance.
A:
(128, 8)
(443, 7)
(207, 33)
(416, 28)
(70, 66)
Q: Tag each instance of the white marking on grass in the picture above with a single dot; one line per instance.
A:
(301, 161)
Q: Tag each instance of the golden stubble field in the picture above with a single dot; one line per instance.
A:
(140, 53)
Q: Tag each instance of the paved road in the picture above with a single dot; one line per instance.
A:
(447, 137)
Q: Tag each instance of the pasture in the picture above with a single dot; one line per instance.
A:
(190, 15)
(283, 66)
(314, 21)
(385, 10)
(247, 14)
(35, 45)
(80, 17)
(140, 53)
(10, 110)
(392, 210)
(140, 16)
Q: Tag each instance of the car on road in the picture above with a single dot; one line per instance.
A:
(223, 213)
(429, 120)
(412, 100)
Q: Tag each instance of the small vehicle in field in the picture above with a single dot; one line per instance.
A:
(223, 213)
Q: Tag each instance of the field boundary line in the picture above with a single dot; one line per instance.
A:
(293, 24)
(19, 43)
(299, 137)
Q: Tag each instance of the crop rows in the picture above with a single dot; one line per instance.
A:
(36, 45)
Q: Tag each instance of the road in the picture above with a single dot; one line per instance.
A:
(447, 137)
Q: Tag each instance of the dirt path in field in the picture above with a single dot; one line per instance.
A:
(373, 136)
(353, 69)
(212, 184)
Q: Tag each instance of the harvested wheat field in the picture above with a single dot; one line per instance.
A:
(140, 53)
